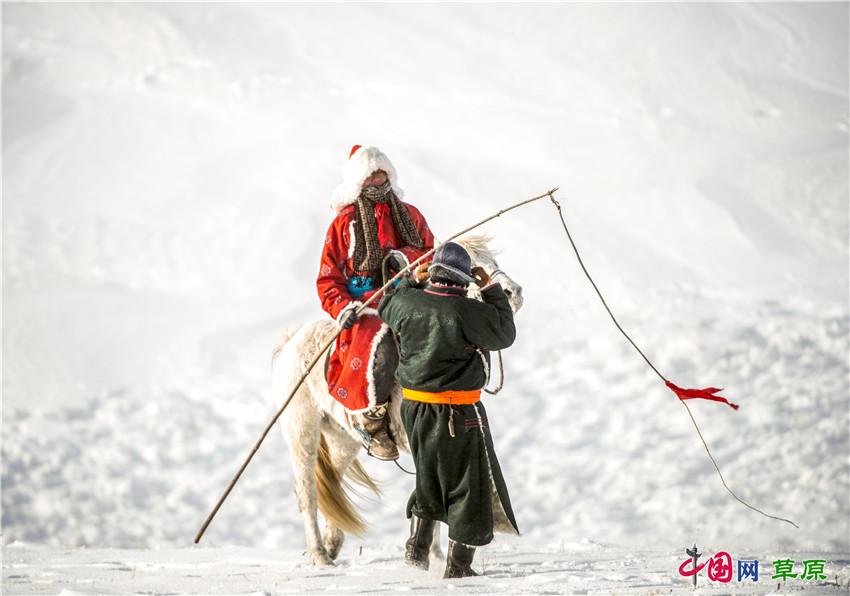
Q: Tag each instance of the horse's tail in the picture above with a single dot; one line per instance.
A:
(360, 476)
(333, 499)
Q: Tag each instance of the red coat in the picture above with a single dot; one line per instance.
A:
(347, 375)
(336, 266)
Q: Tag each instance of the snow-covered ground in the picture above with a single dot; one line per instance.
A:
(527, 567)
(166, 174)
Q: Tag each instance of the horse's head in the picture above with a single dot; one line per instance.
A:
(483, 256)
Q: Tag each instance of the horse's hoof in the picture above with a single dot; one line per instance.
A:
(320, 558)
(333, 550)
(332, 541)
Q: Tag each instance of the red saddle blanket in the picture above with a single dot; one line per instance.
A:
(349, 372)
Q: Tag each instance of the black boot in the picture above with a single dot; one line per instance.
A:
(377, 440)
(459, 560)
(418, 546)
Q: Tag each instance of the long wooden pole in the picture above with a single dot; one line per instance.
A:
(331, 341)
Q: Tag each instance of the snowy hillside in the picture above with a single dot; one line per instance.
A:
(166, 177)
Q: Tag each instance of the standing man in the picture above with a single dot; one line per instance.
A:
(445, 339)
(372, 225)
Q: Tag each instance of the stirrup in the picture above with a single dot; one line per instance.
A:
(365, 437)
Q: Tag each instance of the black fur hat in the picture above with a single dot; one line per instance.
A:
(451, 263)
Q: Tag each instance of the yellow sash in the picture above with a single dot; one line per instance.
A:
(443, 397)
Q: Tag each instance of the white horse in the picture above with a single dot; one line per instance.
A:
(323, 443)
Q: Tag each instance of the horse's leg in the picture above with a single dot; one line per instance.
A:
(437, 551)
(394, 416)
(342, 450)
(332, 541)
(303, 434)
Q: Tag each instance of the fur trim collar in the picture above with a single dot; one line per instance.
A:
(360, 166)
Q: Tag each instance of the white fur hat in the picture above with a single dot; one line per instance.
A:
(362, 163)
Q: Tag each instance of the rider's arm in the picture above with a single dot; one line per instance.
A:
(331, 281)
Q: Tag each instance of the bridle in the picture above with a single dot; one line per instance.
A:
(501, 362)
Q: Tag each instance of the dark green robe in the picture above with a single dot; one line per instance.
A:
(444, 340)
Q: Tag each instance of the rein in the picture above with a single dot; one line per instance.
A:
(501, 377)
(501, 363)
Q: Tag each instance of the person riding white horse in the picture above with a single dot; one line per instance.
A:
(323, 441)
(372, 227)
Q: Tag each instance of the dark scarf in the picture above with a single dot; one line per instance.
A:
(368, 252)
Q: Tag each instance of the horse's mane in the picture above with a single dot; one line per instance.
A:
(478, 245)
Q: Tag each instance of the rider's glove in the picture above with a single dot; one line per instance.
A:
(348, 317)
(395, 261)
